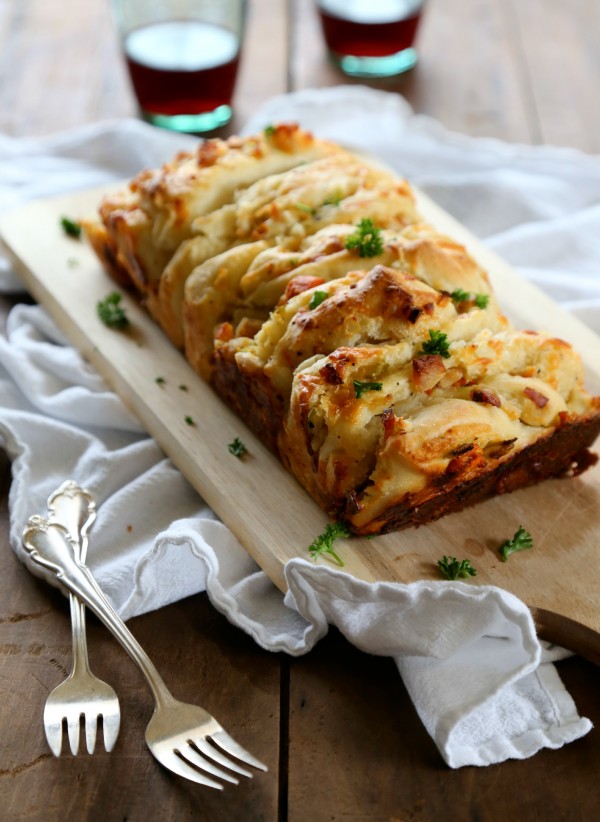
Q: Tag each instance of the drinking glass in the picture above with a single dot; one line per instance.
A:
(182, 57)
(371, 38)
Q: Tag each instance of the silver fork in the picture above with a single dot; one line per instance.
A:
(82, 694)
(186, 739)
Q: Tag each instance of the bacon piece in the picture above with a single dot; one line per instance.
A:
(539, 399)
(486, 396)
(299, 284)
(427, 371)
(330, 374)
(223, 332)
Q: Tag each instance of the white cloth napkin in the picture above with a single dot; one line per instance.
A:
(484, 686)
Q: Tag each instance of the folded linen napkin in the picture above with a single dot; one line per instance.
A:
(484, 686)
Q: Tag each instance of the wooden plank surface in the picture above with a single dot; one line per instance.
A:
(356, 747)
(273, 517)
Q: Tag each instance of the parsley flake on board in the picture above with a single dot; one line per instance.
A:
(159, 380)
(111, 312)
(71, 227)
(189, 421)
(360, 387)
(366, 239)
(323, 544)
(522, 541)
(237, 448)
(452, 568)
(437, 344)
(317, 298)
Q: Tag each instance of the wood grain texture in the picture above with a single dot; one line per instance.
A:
(360, 752)
(203, 659)
(263, 505)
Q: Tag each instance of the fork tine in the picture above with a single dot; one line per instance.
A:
(91, 729)
(73, 732)
(228, 744)
(179, 766)
(200, 761)
(111, 725)
(54, 734)
(214, 753)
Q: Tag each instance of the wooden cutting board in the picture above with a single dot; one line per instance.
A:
(272, 516)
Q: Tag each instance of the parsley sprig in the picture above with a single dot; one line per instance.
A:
(111, 312)
(437, 344)
(317, 298)
(71, 227)
(360, 387)
(462, 296)
(452, 568)
(323, 544)
(522, 541)
(366, 239)
(237, 448)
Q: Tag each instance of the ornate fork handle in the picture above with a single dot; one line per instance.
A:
(49, 545)
(75, 509)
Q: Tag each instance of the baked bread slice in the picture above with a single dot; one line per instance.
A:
(365, 348)
(142, 225)
(284, 208)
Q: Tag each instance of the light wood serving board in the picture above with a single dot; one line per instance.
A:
(272, 516)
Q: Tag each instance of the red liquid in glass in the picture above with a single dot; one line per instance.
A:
(182, 67)
(368, 39)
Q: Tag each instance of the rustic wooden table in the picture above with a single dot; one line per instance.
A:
(336, 728)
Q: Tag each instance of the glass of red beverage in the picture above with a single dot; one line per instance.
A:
(371, 38)
(182, 57)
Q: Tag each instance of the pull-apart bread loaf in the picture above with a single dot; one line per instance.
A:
(365, 348)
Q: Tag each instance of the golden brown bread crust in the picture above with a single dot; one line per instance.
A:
(247, 259)
(563, 452)
(251, 396)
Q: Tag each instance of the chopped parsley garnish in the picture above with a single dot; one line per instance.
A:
(317, 298)
(366, 239)
(360, 387)
(462, 296)
(189, 421)
(183, 387)
(306, 208)
(269, 131)
(323, 544)
(333, 199)
(71, 227)
(159, 380)
(522, 541)
(237, 448)
(111, 312)
(452, 568)
(437, 344)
